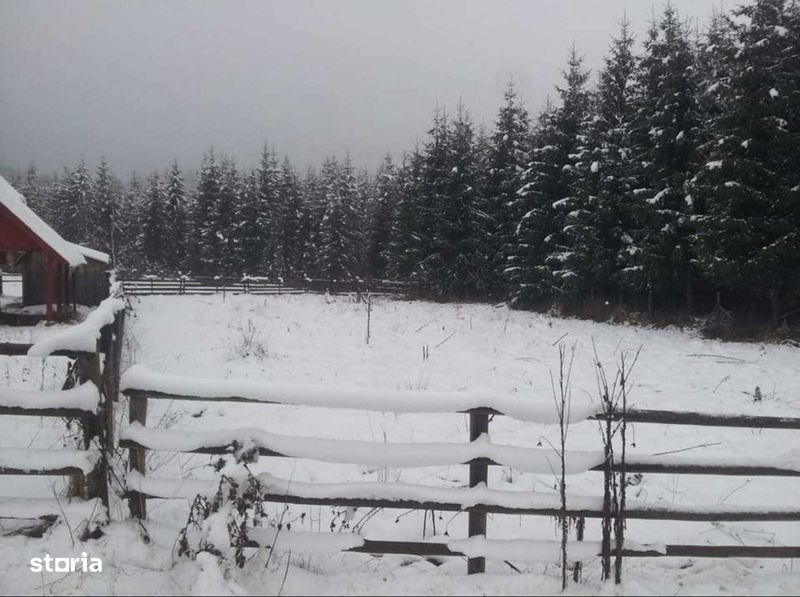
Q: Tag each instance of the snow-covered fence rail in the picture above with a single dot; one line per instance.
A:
(141, 384)
(152, 285)
(94, 347)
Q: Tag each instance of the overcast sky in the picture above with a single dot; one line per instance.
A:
(144, 82)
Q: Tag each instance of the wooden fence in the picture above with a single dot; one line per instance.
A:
(477, 500)
(256, 285)
(91, 405)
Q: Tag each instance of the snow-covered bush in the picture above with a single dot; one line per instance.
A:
(219, 524)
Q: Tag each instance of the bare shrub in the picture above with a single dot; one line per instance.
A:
(614, 394)
(247, 342)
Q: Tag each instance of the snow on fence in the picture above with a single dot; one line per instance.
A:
(94, 347)
(256, 285)
(141, 385)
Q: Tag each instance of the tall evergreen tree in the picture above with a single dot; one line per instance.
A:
(103, 224)
(381, 217)
(597, 224)
(207, 196)
(338, 248)
(404, 243)
(225, 220)
(570, 131)
(748, 241)
(73, 205)
(665, 136)
(290, 243)
(249, 233)
(537, 265)
(175, 221)
(313, 212)
(270, 212)
(152, 238)
(508, 156)
(32, 189)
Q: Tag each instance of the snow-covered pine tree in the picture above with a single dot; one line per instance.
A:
(73, 205)
(748, 242)
(508, 157)
(431, 269)
(205, 239)
(35, 192)
(290, 245)
(404, 245)
(363, 194)
(460, 228)
(129, 218)
(175, 221)
(225, 221)
(569, 210)
(313, 203)
(151, 241)
(596, 228)
(527, 277)
(381, 218)
(716, 55)
(105, 198)
(249, 233)
(665, 135)
(536, 265)
(270, 213)
(338, 248)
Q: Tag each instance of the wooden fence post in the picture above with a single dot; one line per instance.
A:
(478, 473)
(96, 482)
(137, 457)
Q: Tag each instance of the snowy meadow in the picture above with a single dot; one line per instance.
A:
(321, 340)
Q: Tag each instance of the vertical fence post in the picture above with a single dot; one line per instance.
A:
(96, 482)
(137, 412)
(478, 473)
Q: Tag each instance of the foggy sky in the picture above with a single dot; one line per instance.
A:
(144, 82)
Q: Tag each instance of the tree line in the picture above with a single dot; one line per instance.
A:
(669, 181)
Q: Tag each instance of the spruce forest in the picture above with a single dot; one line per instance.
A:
(666, 184)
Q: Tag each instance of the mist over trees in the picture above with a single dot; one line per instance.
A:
(667, 181)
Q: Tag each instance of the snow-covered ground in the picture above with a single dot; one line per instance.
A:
(321, 340)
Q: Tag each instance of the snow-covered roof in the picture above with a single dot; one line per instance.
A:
(14, 202)
(91, 253)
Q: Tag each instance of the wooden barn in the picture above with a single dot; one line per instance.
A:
(55, 272)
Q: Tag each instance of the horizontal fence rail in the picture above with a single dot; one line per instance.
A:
(477, 504)
(20, 349)
(259, 286)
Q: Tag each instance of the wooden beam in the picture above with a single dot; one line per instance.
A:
(667, 417)
(14, 349)
(672, 514)
(66, 471)
(417, 548)
(66, 413)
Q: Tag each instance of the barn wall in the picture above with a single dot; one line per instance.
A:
(90, 282)
(34, 291)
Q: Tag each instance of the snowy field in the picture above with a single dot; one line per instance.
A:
(321, 340)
